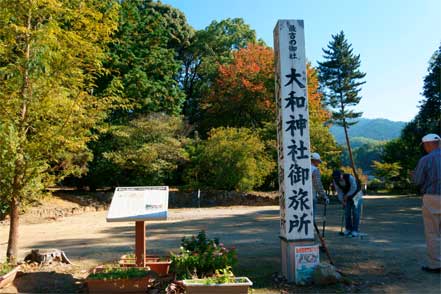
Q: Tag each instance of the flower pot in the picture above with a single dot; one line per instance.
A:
(161, 267)
(9, 277)
(199, 286)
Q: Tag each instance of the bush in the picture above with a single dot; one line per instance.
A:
(145, 151)
(230, 159)
(202, 257)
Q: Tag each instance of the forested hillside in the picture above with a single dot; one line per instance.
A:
(378, 129)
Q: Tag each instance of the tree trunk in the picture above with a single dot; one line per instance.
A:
(11, 252)
(20, 165)
(348, 143)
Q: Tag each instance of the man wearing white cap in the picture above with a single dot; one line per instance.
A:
(427, 176)
(317, 186)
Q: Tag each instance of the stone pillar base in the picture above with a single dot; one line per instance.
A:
(299, 259)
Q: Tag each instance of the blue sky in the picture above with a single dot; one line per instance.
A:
(395, 39)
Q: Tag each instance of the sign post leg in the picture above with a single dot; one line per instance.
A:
(140, 246)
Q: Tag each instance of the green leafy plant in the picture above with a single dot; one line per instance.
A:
(221, 276)
(202, 257)
(5, 268)
(132, 255)
(115, 272)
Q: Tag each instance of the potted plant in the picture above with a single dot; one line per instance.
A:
(205, 266)
(201, 257)
(223, 281)
(116, 279)
(161, 265)
(7, 274)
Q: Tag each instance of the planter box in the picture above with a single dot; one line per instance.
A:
(153, 262)
(197, 286)
(9, 277)
(131, 285)
(138, 285)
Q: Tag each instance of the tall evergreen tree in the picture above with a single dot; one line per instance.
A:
(143, 59)
(428, 120)
(340, 79)
(429, 116)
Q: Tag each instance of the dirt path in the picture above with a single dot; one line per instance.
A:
(387, 261)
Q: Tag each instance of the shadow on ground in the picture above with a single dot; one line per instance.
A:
(388, 260)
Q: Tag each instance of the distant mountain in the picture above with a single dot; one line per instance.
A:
(378, 129)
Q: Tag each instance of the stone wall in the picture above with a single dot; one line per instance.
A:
(179, 199)
(76, 204)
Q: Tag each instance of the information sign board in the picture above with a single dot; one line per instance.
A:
(138, 204)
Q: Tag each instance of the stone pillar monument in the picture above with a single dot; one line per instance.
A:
(300, 254)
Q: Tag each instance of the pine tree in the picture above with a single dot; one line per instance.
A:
(340, 79)
(428, 120)
(429, 115)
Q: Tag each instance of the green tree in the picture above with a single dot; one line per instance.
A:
(143, 60)
(387, 173)
(143, 64)
(406, 150)
(147, 151)
(341, 82)
(230, 158)
(367, 153)
(50, 53)
(429, 116)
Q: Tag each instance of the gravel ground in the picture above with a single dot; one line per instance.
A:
(388, 260)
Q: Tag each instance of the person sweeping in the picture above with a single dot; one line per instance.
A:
(349, 193)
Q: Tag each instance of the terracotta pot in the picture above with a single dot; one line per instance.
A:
(197, 286)
(153, 262)
(9, 277)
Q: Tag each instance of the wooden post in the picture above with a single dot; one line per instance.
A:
(140, 246)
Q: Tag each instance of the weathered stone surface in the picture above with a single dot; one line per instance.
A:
(209, 198)
(46, 256)
(325, 274)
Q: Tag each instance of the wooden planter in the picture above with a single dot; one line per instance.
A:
(131, 285)
(153, 262)
(8, 278)
(197, 286)
(138, 285)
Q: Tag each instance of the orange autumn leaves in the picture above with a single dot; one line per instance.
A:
(242, 95)
(317, 113)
